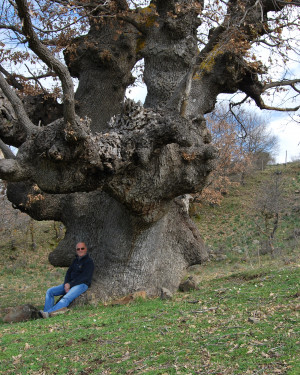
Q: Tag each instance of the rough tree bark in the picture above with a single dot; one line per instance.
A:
(112, 170)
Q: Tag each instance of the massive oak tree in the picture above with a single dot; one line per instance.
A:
(112, 170)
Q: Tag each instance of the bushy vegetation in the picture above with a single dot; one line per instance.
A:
(241, 320)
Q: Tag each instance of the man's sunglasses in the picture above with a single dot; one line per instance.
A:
(80, 248)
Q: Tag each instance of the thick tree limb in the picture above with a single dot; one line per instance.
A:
(42, 110)
(54, 64)
(132, 20)
(30, 199)
(8, 154)
(103, 60)
(11, 170)
(18, 107)
(139, 137)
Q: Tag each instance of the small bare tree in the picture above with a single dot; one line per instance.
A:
(268, 204)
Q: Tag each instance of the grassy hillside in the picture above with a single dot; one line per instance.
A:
(231, 229)
(242, 324)
(243, 319)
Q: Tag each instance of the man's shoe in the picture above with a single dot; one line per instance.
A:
(43, 314)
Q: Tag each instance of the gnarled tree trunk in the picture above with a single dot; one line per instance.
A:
(129, 253)
(136, 227)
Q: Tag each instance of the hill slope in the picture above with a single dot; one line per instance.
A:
(233, 230)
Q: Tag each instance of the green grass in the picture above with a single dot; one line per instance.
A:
(208, 331)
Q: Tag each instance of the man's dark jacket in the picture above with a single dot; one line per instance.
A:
(80, 271)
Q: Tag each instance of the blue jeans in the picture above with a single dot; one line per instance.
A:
(59, 290)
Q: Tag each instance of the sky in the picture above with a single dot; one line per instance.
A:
(288, 132)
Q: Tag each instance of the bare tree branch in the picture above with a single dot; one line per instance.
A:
(260, 103)
(281, 83)
(81, 4)
(288, 2)
(231, 105)
(11, 79)
(34, 77)
(295, 88)
(11, 27)
(270, 108)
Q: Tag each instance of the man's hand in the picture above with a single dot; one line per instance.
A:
(67, 287)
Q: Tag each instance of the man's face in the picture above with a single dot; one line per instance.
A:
(81, 249)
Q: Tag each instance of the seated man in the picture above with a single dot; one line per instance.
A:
(77, 280)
